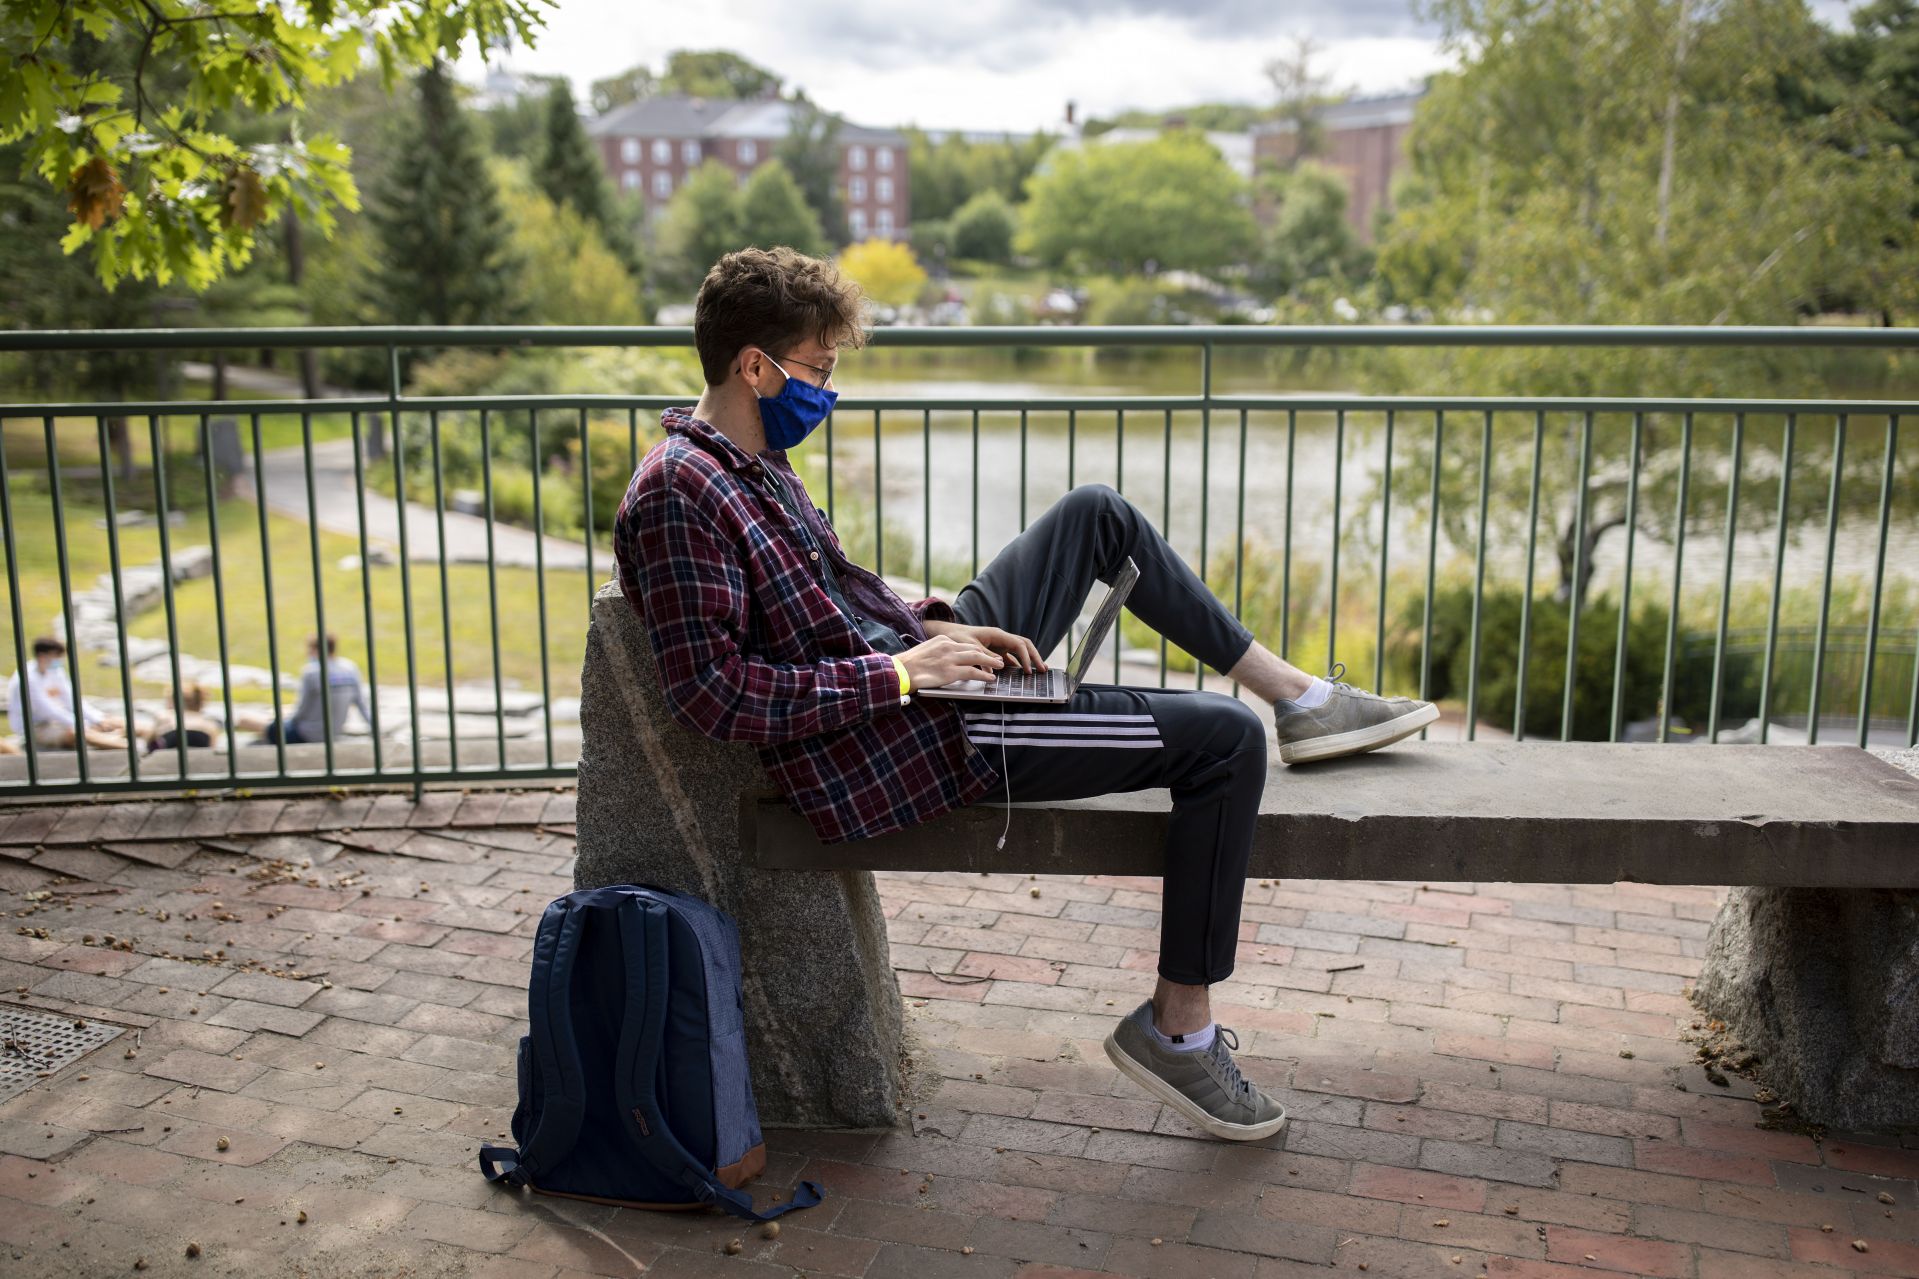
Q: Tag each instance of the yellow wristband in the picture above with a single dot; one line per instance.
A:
(906, 681)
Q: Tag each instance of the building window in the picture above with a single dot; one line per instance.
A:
(883, 190)
(856, 223)
(883, 157)
(749, 151)
(662, 151)
(662, 184)
(630, 150)
(631, 180)
(856, 157)
(856, 190)
(690, 152)
(883, 222)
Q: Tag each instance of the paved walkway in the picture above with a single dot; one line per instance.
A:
(321, 998)
(334, 498)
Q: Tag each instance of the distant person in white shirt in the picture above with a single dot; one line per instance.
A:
(55, 722)
(343, 691)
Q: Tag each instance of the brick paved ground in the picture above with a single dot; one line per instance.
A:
(322, 996)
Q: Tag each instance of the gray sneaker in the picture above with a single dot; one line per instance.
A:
(1347, 723)
(1204, 1084)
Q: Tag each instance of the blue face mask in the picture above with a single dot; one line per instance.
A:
(795, 412)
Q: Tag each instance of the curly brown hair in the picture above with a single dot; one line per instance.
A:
(772, 298)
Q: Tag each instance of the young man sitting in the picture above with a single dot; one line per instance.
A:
(765, 632)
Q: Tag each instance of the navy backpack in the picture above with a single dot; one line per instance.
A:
(633, 1077)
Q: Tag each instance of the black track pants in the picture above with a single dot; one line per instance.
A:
(1209, 748)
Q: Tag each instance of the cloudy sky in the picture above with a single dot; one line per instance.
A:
(996, 64)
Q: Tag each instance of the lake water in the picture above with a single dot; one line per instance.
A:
(1089, 450)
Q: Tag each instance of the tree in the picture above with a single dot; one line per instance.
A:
(885, 269)
(568, 169)
(47, 289)
(1130, 207)
(700, 224)
(517, 128)
(629, 85)
(1554, 182)
(811, 153)
(1309, 237)
(951, 171)
(568, 274)
(717, 73)
(1300, 90)
(984, 227)
(774, 211)
(444, 255)
(156, 183)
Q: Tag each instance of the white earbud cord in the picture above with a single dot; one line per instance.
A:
(1007, 774)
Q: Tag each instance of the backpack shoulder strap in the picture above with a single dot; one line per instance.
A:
(643, 934)
(550, 1032)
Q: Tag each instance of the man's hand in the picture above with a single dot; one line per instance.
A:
(1014, 650)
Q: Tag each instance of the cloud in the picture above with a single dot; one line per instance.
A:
(1258, 17)
(995, 64)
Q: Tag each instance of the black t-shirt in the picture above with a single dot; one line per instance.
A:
(881, 636)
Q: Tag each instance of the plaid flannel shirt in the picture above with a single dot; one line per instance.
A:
(751, 648)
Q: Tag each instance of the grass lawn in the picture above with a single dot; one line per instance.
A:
(343, 591)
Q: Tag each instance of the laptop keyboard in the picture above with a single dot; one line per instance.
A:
(1017, 683)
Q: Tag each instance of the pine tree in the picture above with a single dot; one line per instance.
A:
(566, 168)
(773, 211)
(811, 153)
(437, 217)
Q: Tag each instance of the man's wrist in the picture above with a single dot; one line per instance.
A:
(906, 680)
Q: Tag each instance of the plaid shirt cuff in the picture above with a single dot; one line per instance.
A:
(881, 686)
(933, 609)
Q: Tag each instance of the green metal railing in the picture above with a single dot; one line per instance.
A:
(39, 435)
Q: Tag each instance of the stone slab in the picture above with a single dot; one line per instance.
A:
(1823, 984)
(1528, 812)
(660, 805)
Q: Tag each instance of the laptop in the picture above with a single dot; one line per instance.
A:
(1052, 685)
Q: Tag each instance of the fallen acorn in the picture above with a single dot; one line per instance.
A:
(193, 1249)
(222, 1144)
(733, 1247)
(1859, 1245)
(1886, 1198)
(139, 1263)
(301, 1219)
(771, 1230)
(967, 1251)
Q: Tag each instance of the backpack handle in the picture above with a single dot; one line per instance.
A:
(643, 924)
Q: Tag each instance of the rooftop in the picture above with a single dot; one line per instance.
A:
(315, 1002)
(675, 116)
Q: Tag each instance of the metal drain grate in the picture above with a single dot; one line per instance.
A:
(35, 1044)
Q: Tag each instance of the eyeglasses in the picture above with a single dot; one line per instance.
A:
(826, 375)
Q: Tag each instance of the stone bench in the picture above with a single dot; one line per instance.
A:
(1814, 960)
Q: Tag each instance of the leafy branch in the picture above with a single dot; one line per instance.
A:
(125, 105)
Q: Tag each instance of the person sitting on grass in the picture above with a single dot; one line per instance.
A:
(344, 691)
(765, 632)
(57, 724)
(201, 730)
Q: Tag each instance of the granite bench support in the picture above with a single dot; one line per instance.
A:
(1814, 960)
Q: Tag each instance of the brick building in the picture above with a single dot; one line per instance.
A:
(651, 145)
(1363, 140)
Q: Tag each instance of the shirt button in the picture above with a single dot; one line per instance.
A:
(812, 555)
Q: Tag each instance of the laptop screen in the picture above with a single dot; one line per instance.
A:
(1103, 620)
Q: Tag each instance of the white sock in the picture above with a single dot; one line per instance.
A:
(1190, 1042)
(1315, 695)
